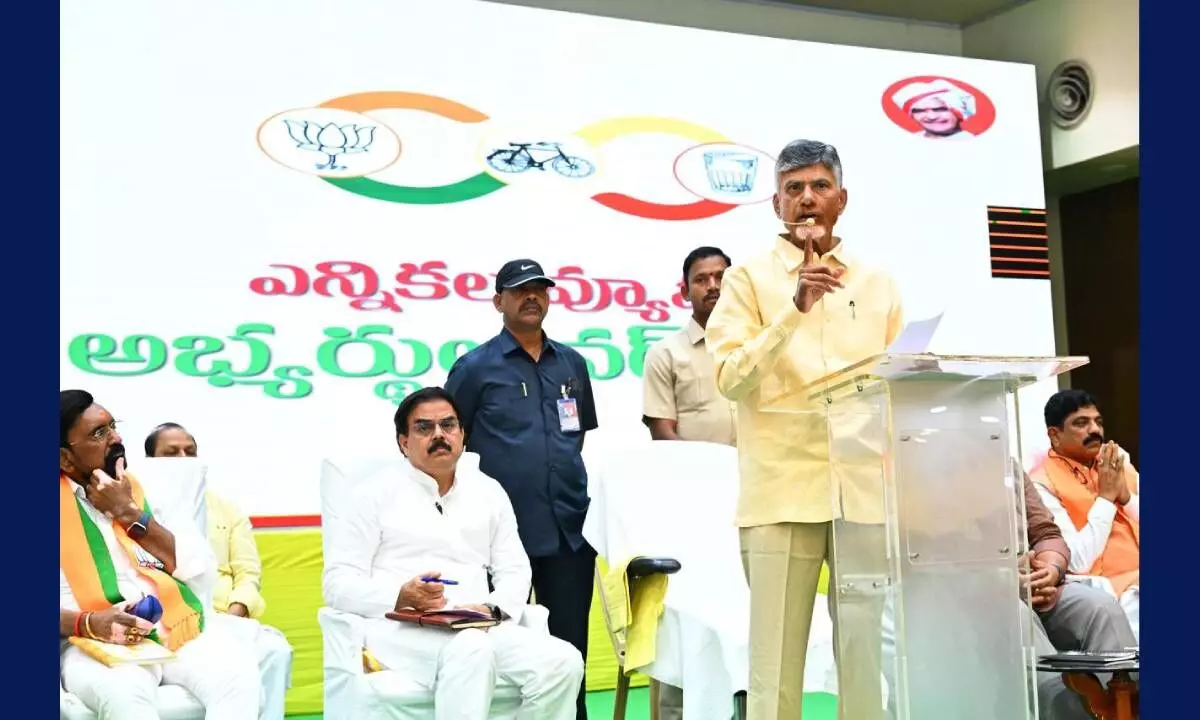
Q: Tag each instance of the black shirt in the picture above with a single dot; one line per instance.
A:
(510, 412)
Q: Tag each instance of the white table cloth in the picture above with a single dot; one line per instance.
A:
(677, 499)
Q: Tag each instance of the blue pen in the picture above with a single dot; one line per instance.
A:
(443, 581)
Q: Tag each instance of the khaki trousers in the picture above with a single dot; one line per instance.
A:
(783, 564)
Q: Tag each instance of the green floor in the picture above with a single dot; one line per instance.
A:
(600, 706)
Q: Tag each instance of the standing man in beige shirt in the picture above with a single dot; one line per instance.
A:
(681, 400)
(681, 397)
(795, 313)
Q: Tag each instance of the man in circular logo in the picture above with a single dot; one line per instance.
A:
(938, 108)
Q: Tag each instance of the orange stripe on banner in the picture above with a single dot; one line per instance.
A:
(1039, 261)
(1020, 235)
(1019, 211)
(285, 521)
(1015, 222)
(1037, 273)
(1021, 247)
(367, 101)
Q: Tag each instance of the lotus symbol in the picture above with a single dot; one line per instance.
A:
(331, 139)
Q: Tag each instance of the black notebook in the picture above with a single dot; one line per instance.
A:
(1087, 658)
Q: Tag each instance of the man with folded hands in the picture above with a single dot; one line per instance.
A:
(435, 534)
(117, 547)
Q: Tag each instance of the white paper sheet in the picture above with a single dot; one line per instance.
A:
(914, 339)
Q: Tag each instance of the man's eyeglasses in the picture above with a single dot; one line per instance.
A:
(101, 433)
(425, 428)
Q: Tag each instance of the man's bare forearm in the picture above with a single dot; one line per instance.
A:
(158, 541)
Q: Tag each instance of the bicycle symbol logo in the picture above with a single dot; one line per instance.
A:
(718, 174)
(517, 158)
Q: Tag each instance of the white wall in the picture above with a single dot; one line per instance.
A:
(1102, 33)
(772, 20)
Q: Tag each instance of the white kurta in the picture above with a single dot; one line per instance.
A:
(397, 527)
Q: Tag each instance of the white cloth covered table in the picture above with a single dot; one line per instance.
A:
(677, 499)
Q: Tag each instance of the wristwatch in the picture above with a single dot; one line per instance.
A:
(497, 613)
(138, 529)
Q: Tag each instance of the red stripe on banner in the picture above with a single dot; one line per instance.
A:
(285, 521)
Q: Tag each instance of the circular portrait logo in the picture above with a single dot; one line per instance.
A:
(726, 173)
(329, 142)
(938, 108)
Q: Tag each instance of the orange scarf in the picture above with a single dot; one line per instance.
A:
(85, 560)
(1077, 486)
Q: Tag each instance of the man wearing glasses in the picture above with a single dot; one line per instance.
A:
(437, 534)
(116, 548)
(526, 405)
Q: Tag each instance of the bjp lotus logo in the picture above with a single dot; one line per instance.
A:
(329, 142)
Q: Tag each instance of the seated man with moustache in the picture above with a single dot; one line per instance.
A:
(117, 547)
(239, 573)
(1091, 488)
(436, 534)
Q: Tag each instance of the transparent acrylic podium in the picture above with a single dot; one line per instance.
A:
(928, 531)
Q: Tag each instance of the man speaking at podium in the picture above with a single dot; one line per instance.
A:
(789, 316)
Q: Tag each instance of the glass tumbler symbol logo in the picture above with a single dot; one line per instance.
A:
(731, 172)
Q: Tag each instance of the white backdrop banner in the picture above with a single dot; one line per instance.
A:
(277, 220)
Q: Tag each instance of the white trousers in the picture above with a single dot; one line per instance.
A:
(211, 667)
(1131, 603)
(274, 656)
(275, 667)
(462, 668)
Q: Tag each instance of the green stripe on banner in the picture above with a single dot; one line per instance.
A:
(99, 550)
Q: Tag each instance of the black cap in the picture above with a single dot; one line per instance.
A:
(519, 272)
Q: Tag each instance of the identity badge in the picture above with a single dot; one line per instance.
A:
(568, 415)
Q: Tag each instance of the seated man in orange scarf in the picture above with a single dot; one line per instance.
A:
(114, 550)
(1091, 488)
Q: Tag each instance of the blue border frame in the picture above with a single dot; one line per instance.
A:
(1169, 260)
(31, 211)
(1168, 191)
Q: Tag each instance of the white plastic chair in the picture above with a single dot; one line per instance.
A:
(173, 483)
(352, 693)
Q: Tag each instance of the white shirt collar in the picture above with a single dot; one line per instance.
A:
(429, 484)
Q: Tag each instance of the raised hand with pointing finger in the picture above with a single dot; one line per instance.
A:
(815, 280)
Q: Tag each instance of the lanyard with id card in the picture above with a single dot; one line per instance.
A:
(568, 412)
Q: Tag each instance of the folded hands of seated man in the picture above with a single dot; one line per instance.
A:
(1111, 483)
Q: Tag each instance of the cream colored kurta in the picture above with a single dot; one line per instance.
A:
(766, 351)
